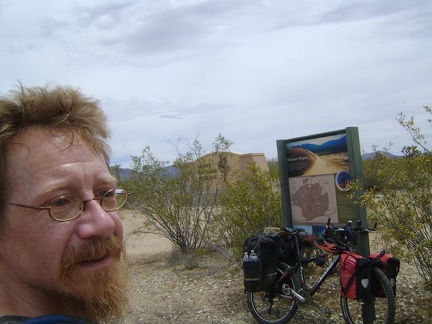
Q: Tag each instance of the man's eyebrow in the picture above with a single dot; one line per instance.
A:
(53, 187)
(63, 185)
(108, 180)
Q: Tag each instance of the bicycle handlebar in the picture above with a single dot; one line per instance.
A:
(293, 231)
(348, 226)
(346, 233)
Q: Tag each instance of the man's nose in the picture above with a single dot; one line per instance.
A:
(95, 221)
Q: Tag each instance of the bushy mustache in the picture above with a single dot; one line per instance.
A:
(91, 251)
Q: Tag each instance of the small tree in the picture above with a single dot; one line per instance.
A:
(370, 172)
(178, 201)
(404, 212)
(249, 205)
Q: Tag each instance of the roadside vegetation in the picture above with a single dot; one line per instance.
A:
(179, 200)
(192, 203)
(399, 197)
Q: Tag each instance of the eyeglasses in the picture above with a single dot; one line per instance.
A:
(66, 208)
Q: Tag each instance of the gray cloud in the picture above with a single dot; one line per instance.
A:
(366, 10)
(255, 71)
(138, 30)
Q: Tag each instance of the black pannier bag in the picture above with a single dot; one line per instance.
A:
(355, 276)
(261, 275)
(286, 249)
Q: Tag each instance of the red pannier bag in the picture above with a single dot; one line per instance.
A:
(390, 266)
(355, 276)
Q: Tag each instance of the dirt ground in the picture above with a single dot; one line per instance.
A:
(163, 292)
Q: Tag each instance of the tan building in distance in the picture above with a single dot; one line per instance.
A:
(225, 165)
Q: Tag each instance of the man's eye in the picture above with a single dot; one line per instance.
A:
(106, 193)
(60, 202)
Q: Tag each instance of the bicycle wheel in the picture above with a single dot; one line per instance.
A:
(277, 306)
(385, 307)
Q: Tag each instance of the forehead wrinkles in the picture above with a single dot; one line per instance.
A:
(36, 140)
(27, 152)
(35, 151)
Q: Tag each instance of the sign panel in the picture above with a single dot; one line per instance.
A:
(316, 178)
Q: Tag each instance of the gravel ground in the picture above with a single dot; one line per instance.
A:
(161, 292)
(213, 293)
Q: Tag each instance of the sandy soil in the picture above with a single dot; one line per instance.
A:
(150, 247)
(163, 292)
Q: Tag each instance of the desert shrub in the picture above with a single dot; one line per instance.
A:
(403, 208)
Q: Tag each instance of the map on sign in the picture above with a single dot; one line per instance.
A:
(313, 198)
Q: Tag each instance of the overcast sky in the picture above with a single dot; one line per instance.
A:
(254, 71)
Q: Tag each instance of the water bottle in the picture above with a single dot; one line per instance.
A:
(252, 273)
(245, 257)
(253, 256)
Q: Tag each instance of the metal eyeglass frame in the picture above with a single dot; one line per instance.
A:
(83, 202)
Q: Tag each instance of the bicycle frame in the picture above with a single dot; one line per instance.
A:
(311, 290)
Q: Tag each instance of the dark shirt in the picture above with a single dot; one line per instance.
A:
(47, 319)
(12, 319)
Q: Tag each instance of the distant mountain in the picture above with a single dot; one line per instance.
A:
(172, 171)
(124, 173)
(332, 146)
(370, 156)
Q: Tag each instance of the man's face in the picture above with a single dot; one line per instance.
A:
(76, 262)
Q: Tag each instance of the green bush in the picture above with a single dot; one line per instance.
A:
(403, 208)
(249, 205)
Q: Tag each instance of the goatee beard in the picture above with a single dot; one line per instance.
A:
(101, 296)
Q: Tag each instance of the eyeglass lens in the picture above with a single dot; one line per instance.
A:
(67, 207)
